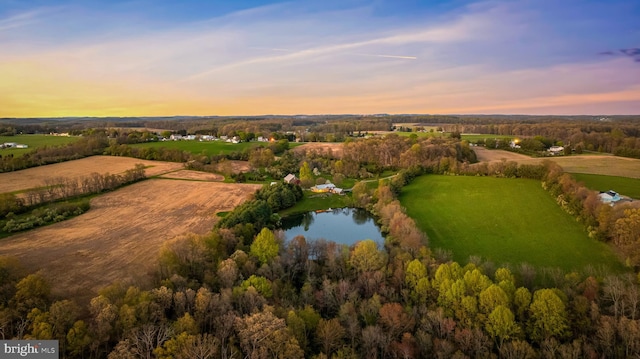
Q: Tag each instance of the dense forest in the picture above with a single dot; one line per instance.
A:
(243, 292)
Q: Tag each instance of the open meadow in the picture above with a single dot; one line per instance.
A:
(624, 185)
(197, 147)
(35, 177)
(34, 141)
(503, 221)
(119, 238)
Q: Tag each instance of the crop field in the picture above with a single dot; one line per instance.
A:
(503, 221)
(473, 137)
(625, 186)
(588, 163)
(119, 238)
(33, 141)
(600, 165)
(207, 147)
(34, 177)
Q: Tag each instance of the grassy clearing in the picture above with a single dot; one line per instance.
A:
(502, 220)
(33, 141)
(623, 185)
(476, 137)
(207, 147)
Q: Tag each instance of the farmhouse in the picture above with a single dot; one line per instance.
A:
(556, 150)
(327, 188)
(13, 145)
(291, 178)
(610, 197)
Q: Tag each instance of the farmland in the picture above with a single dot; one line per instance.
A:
(207, 147)
(33, 141)
(623, 185)
(591, 164)
(120, 237)
(36, 176)
(501, 220)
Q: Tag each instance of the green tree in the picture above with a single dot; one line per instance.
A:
(265, 246)
(306, 176)
(261, 284)
(366, 257)
(548, 316)
(501, 324)
(491, 298)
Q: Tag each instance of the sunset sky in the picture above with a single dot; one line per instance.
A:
(164, 58)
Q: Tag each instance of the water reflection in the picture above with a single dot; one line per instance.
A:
(341, 225)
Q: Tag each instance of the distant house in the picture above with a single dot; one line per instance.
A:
(21, 146)
(556, 150)
(291, 178)
(514, 144)
(175, 137)
(323, 188)
(610, 197)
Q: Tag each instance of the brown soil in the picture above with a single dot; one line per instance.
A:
(240, 166)
(193, 175)
(120, 237)
(485, 155)
(591, 164)
(321, 147)
(35, 177)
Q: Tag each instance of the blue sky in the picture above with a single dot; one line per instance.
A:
(130, 58)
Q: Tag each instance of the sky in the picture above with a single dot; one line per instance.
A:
(167, 58)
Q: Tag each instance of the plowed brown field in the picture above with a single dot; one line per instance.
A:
(120, 237)
(35, 177)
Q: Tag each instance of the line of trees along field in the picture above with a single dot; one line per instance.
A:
(241, 291)
(45, 203)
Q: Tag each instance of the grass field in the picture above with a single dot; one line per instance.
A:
(473, 137)
(623, 185)
(315, 201)
(33, 141)
(501, 220)
(207, 147)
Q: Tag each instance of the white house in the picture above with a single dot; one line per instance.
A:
(610, 197)
(556, 150)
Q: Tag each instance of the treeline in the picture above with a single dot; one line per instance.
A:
(619, 224)
(84, 147)
(316, 299)
(45, 215)
(259, 212)
(620, 138)
(365, 158)
(60, 188)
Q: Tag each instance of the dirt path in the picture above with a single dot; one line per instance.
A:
(120, 237)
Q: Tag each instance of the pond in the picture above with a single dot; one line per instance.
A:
(340, 225)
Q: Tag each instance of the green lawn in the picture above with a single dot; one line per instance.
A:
(476, 137)
(207, 147)
(317, 201)
(623, 185)
(33, 141)
(501, 220)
